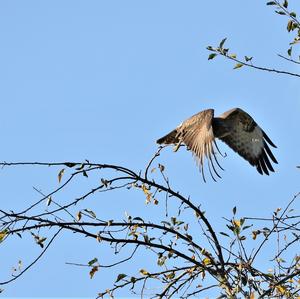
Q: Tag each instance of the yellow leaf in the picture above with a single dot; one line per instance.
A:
(252, 296)
(60, 174)
(144, 272)
(281, 289)
(278, 210)
(93, 271)
(206, 261)
(78, 216)
(238, 65)
(237, 223)
(3, 235)
(232, 55)
(145, 189)
(170, 276)
(289, 26)
(148, 198)
(255, 233)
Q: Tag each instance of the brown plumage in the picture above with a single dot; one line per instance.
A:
(235, 127)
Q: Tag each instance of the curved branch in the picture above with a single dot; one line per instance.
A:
(35, 260)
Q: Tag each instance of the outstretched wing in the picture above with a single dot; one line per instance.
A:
(197, 133)
(246, 138)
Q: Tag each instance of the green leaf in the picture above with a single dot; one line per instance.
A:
(49, 200)
(248, 58)
(80, 167)
(166, 223)
(189, 237)
(120, 277)
(222, 42)
(289, 51)
(247, 226)
(41, 241)
(224, 234)
(161, 261)
(138, 219)
(271, 3)
(295, 41)
(212, 56)
(224, 51)
(293, 14)
(285, 3)
(93, 261)
(280, 12)
(232, 55)
(238, 65)
(91, 213)
(146, 238)
(161, 167)
(234, 210)
(104, 182)
(70, 164)
(173, 220)
(289, 26)
(242, 220)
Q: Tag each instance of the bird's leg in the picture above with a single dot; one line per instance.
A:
(176, 147)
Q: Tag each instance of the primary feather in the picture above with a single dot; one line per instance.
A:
(235, 127)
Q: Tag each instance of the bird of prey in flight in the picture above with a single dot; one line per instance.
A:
(235, 127)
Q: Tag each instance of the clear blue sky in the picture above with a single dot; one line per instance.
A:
(102, 80)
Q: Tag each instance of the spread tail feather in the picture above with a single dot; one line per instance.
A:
(170, 138)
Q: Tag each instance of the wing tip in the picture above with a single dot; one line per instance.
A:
(266, 137)
(170, 138)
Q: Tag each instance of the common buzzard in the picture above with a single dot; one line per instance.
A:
(235, 127)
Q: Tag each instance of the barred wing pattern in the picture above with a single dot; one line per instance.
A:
(197, 134)
(248, 140)
(235, 127)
